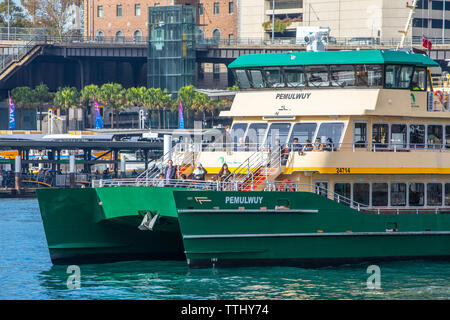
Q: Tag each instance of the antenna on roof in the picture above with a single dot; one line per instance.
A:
(404, 32)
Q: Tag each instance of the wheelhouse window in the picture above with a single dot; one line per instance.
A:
(361, 193)
(416, 194)
(242, 78)
(256, 78)
(304, 132)
(379, 194)
(369, 75)
(380, 135)
(278, 134)
(342, 75)
(330, 133)
(417, 136)
(317, 76)
(255, 134)
(434, 194)
(342, 190)
(419, 81)
(398, 194)
(398, 77)
(434, 136)
(295, 76)
(274, 77)
(399, 135)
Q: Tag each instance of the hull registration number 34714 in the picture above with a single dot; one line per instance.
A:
(342, 170)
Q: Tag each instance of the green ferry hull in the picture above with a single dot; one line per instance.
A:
(97, 225)
(313, 232)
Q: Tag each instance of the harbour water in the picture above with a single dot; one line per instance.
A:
(27, 273)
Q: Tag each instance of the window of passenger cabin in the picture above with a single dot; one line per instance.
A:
(317, 76)
(434, 136)
(342, 190)
(434, 194)
(447, 194)
(360, 134)
(256, 78)
(380, 135)
(274, 77)
(419, 81)
(361, 193)
(330, 133)
(398, 77)
(255, 134)
(416, 194)
(303, 132)
(295, 76)
(369, 75)
(399, 135)
(242, 78)
(278, 131)
(447, 137)
(380, 194)
(417, 136)
(342, 75)
(237, 133)
(398, 194)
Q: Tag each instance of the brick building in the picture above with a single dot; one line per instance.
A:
(119, 19)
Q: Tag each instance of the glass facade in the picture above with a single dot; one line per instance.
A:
(171, 47)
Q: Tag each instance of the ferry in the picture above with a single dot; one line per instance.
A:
(333, 158)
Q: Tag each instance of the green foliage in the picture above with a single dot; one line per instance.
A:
(67, 97)
(280, 25)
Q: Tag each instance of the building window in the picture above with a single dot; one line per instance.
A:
(137, 36)
(231, 38)
(119, 37)
(156, 4)
(100, 11)
(216, 35)
(119, 10)
(100, 36)
(216, 71)
(216, 8)
(200, 9)
(137, 10)
(230, 7)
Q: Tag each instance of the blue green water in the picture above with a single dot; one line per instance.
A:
(27, 273)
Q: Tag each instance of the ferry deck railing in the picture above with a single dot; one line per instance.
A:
(268, 186)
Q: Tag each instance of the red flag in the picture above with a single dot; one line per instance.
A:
(426, 43)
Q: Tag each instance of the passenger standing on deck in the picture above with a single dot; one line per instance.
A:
(224, 172)
(170, 172)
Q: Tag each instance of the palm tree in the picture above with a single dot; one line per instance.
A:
(87, 95)
(66, 98)
(112, 95)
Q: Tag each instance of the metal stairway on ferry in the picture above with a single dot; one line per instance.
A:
(258, 169)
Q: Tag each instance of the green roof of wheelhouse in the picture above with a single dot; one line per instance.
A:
(332, 58)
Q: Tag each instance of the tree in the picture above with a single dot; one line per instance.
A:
(53, 14)
(66, 98)
(16, 13)
(113, 96)
(280, 25)
(34, 9)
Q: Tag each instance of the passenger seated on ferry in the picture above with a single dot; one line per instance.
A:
(223, 173)
(199, 173)
(318, 146)
(240, 145)
(296, 146)
(329, 145)
(308, 146)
